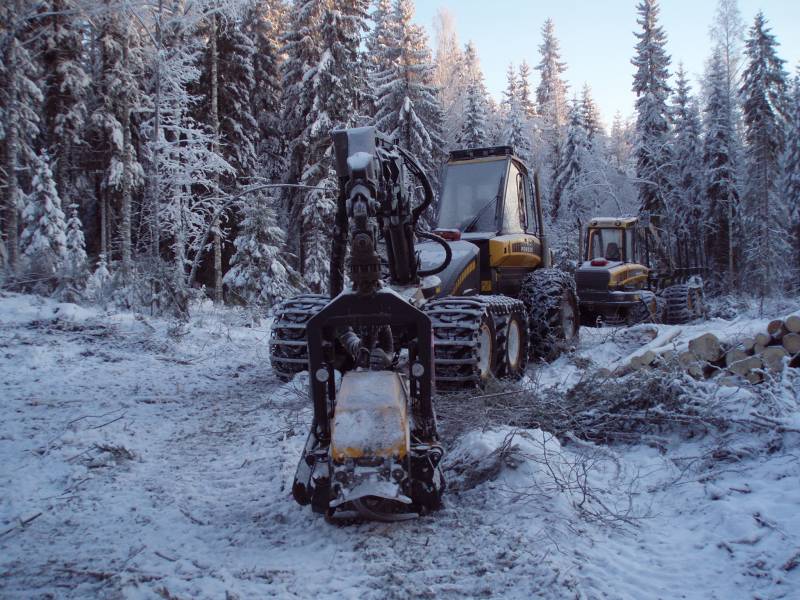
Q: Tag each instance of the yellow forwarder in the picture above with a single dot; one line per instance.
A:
(618, 284)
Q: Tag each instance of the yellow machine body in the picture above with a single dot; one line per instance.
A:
(371, 416)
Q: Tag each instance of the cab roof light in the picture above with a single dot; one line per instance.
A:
(470, 153)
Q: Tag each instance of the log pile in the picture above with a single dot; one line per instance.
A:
(750, 359)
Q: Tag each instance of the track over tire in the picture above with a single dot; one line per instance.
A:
(471, 340)
(553, 314)
(511, 327)
(463, 339)
(288, 348)
(645, 311)
(685, 303)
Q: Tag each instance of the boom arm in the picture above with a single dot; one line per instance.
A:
(375, 195)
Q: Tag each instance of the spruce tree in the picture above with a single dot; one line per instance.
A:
(590, 115)
(66, 87)
(514, 117)
(335, 86)
(720, 185)
(75, 261)
(551, 101)
(791, 170)
(764, 91)
(262, 25)
(259, 273)
(474, 126)
(525, 98)
(43, 238)
(19, 114)
(686, 210)
(650, 84)
(407, 106)
(551, 93)
(302, 46)
(450, 79)
(113, 136)
(567, 189)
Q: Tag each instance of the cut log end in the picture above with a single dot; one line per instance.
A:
(707, 348)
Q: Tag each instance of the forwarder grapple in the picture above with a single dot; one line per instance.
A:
(474, 301)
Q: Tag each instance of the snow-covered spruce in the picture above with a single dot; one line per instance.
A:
(43, 238)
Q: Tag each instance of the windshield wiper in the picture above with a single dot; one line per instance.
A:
(480, 213)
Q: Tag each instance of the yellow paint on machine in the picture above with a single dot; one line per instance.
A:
(515, 250)
(468, 270)
(371, 416)
(627, 274)
(486, 285)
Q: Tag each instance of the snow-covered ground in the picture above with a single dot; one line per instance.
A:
(144, 459)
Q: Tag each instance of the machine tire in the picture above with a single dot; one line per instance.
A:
(553, 313)
(511, 328)
(288, 348)
(462, 326)
(645, 311)
(685, 303)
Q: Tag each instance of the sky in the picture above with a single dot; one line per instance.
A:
(596, 37)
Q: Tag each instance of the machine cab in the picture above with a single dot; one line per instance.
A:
(488, 204)
(486, 192)
(611, 241)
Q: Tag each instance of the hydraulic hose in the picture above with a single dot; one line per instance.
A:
(417, 170)
(448, 253)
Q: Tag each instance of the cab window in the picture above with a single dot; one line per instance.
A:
(606, 243)
(514, 207)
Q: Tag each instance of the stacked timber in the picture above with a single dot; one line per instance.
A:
(751, 359)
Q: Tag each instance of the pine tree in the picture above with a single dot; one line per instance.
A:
(721, 188)
(686, 211)
(237, 88)
(764, 91)
(650, 84)
(791, 170)
(43, 238)
(185, 163)
(259, 273)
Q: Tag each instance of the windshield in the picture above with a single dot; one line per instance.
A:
(606, 243)
(470, 194)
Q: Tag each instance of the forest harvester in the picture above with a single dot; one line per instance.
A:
(628, 276)
(472, 302)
